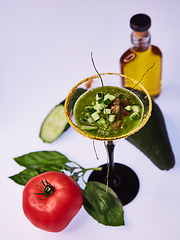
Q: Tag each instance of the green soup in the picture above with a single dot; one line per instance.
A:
(108, 112)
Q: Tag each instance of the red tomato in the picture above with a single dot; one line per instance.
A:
(54, 212)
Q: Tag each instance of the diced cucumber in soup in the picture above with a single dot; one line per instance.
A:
(107, 111)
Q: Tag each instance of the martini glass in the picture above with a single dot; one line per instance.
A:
(122, 179)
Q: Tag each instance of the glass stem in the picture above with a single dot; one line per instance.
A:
(110, 147)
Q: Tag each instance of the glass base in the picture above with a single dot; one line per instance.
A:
(125, 182)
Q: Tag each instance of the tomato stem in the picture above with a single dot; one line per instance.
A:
(47, 189)
(76, 175)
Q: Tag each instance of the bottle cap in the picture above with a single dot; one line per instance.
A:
(140, 22)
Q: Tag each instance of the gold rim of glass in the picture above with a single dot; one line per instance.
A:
(91, 78)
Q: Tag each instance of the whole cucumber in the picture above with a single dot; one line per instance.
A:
(153, 140)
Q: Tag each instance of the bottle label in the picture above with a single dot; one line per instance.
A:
(129, 58)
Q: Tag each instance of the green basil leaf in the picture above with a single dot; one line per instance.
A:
(48, 168)
(43, 159)
(23, 177)
(102, 203)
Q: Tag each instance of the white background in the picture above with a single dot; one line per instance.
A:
(45, 48)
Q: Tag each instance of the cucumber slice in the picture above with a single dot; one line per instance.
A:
(56, 122)
(128, 108)
(109, 99)
(101, 121)
(99, 96)
(107, 111)
(99, 106)
(135, 108)
(88, 128)
(95, 116)
(88, 108)
(112, 118)
(90, 120)
(134, 116)
(92, 110)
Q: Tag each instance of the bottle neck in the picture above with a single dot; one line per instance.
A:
(141, 41)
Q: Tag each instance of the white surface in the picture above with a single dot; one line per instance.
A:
(45, 50)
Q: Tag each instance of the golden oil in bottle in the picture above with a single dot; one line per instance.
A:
(142, 56)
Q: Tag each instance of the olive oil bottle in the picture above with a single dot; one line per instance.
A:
(136, 61)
